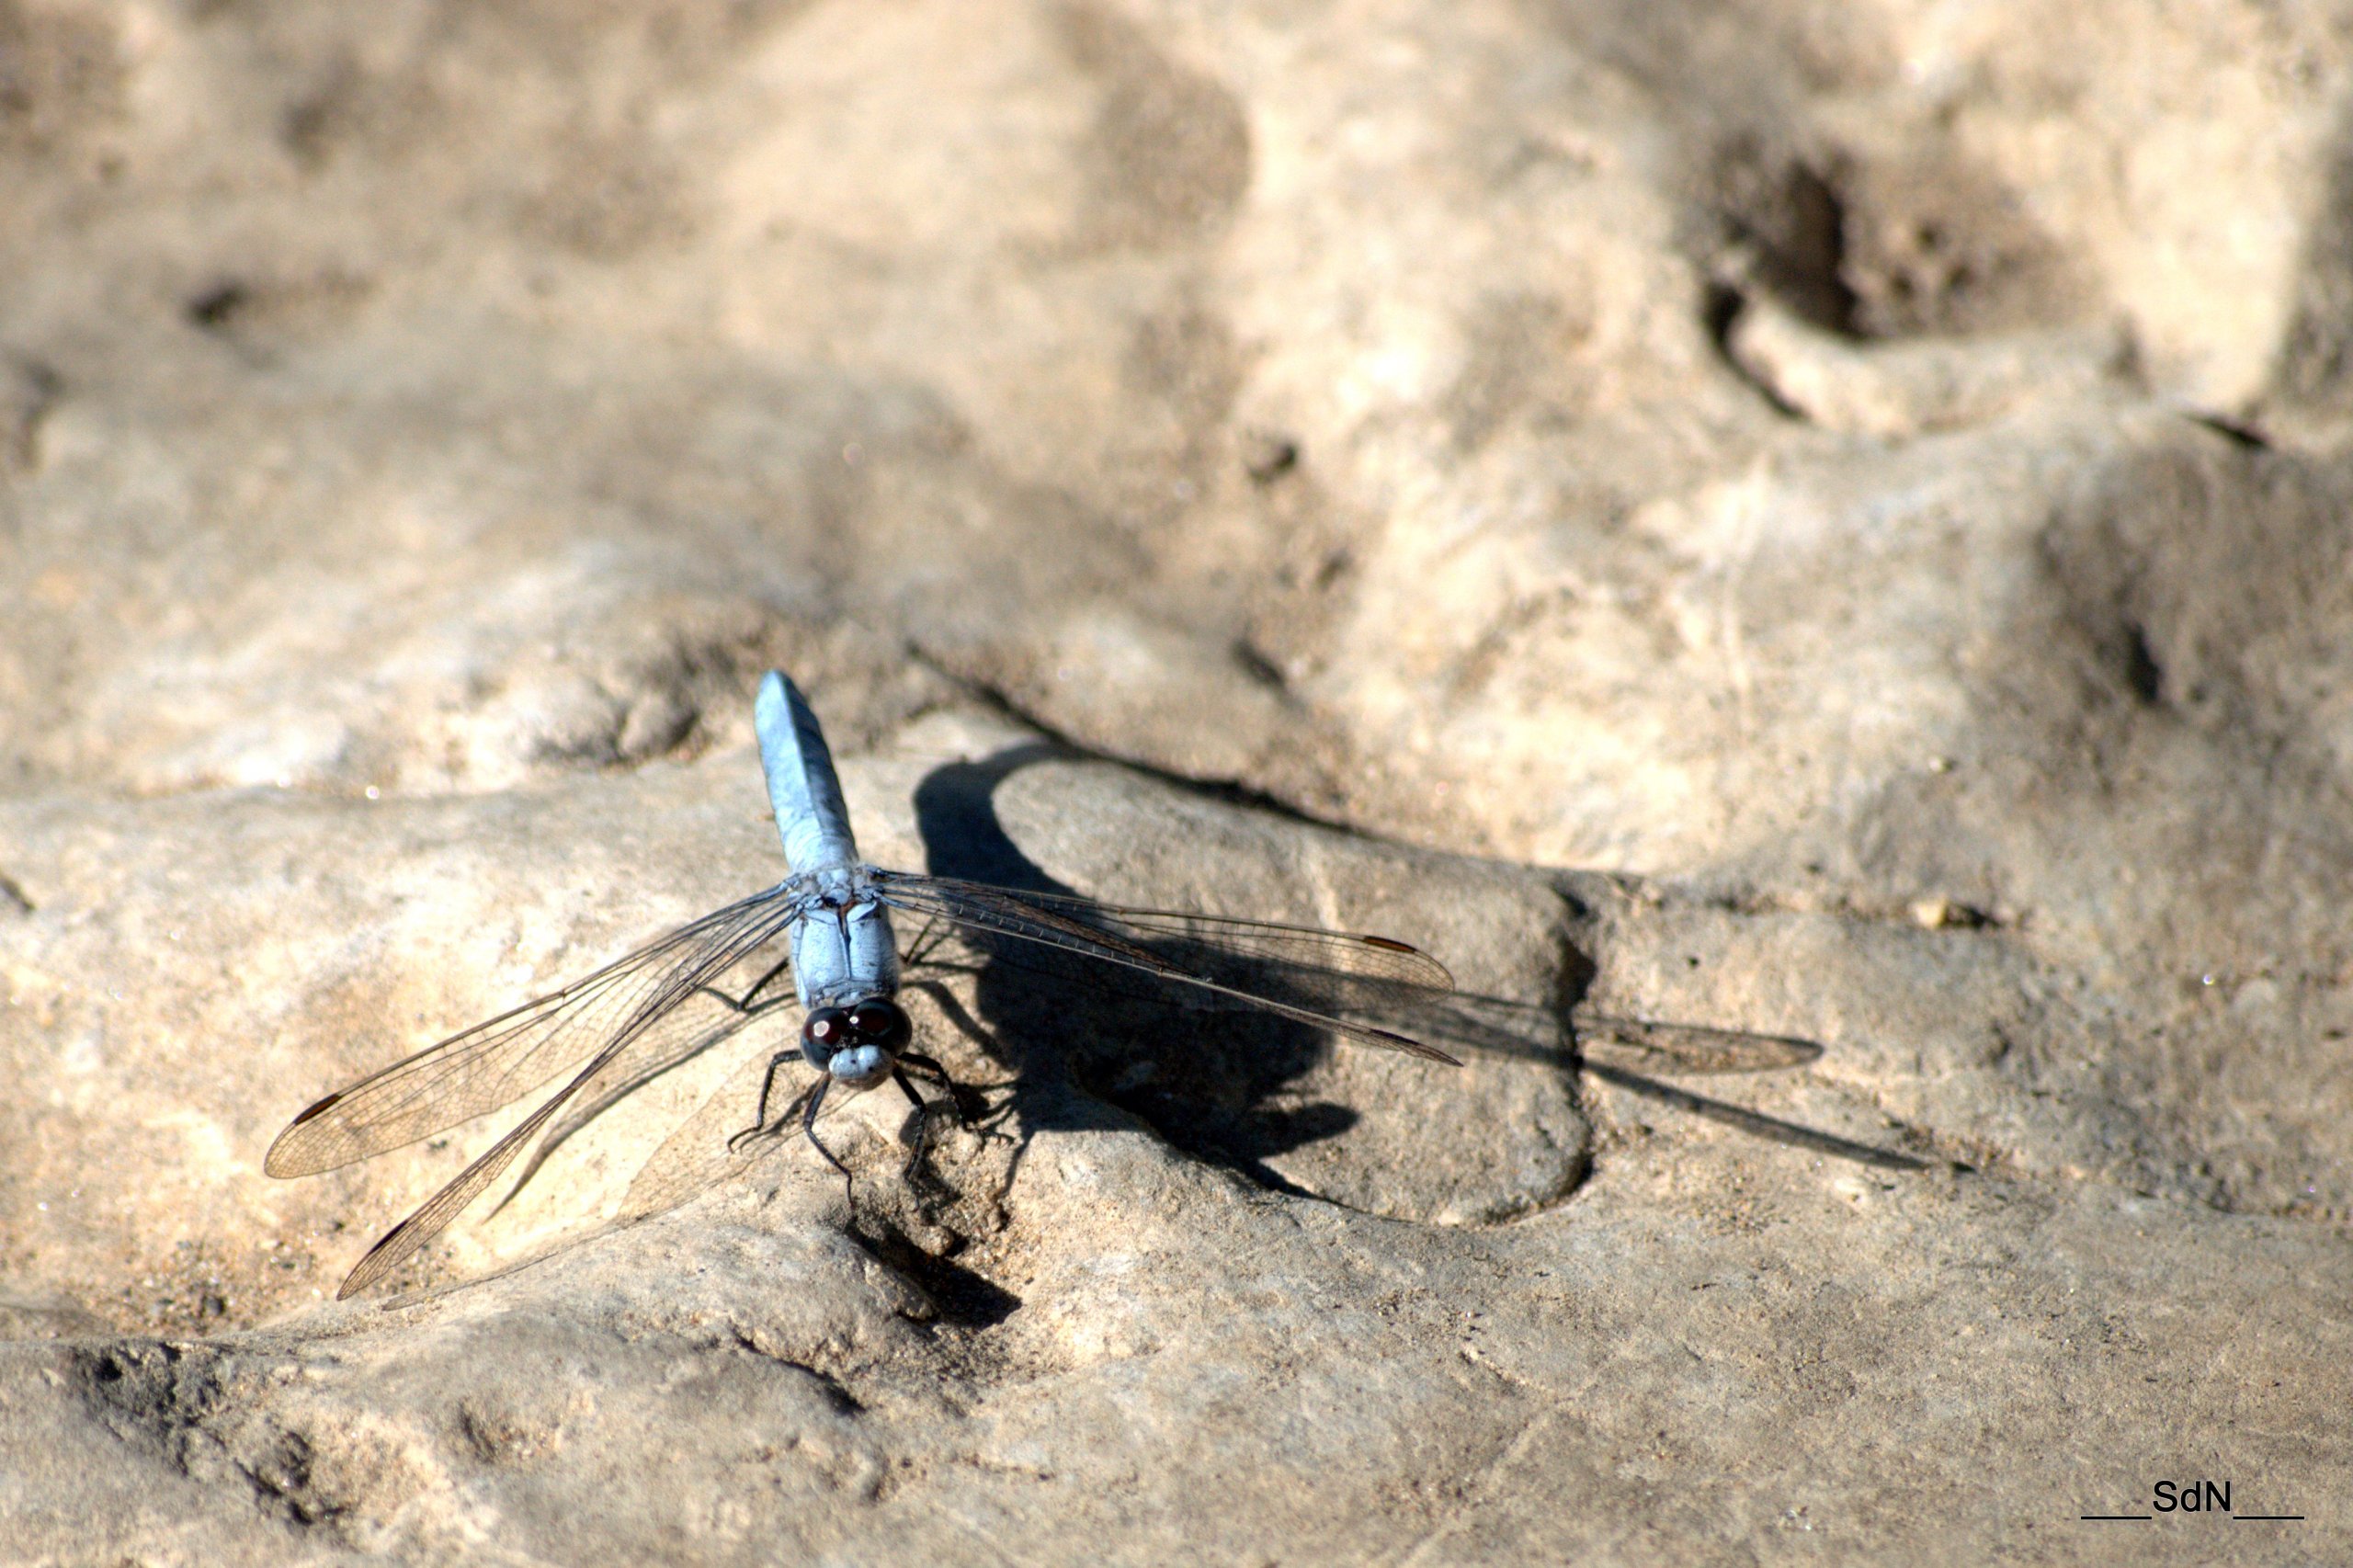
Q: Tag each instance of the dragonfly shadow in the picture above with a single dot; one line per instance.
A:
(1211, 1080)
(1773, 1129)
(1216, 1082)
(1633, 1052)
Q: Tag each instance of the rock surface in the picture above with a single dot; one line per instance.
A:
(1826, 524)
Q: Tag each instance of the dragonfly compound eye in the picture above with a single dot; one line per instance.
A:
(879, 1023)
(825, 1031)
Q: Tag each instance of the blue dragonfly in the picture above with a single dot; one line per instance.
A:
(834, 912)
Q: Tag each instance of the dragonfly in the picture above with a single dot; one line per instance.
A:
(834, 911)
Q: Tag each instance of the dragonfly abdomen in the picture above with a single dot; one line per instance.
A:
(802, 787)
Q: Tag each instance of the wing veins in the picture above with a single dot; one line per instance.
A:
(1352, 953)
(1012, 915)
(484, 1067)
(681, 981)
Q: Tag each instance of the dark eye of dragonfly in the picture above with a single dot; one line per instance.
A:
(878, 1022)
(824, 1032)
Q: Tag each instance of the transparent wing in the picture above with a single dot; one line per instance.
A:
(495, 1062)
(1266, 942)
(433, 1216)
(1295, 972)
(714, 945)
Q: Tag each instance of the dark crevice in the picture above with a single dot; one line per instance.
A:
(1789, 218)
(2236, 431)
(1720, 309)
(1720, 306)
(2141, 671)
(1257, 666)
(1267, 455)
(214, 309)
(40, 389)
(964, 1298)
(1804, 259)
(1809, 268)
(837, 1392)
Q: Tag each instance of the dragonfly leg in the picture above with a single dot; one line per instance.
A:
(920, 948)
(923, 1122)
(963, 1021)
(964, 1100)
(767, 1088)
(809, 1131)
(779, 967)
(751, 996)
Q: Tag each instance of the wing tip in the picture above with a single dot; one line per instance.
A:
(281, 1161)
(1413, 1047)
(380, 1260)
(1444, 977)
(315, 1110)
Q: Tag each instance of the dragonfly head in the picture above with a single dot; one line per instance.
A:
(860, 1044)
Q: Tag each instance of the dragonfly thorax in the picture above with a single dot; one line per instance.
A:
(843, 949)
(839, 887)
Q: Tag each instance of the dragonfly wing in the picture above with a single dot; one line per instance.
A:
(433, 1216)
(1253, 960)
(1350, 953)
(719, 945)
(485, 1067)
